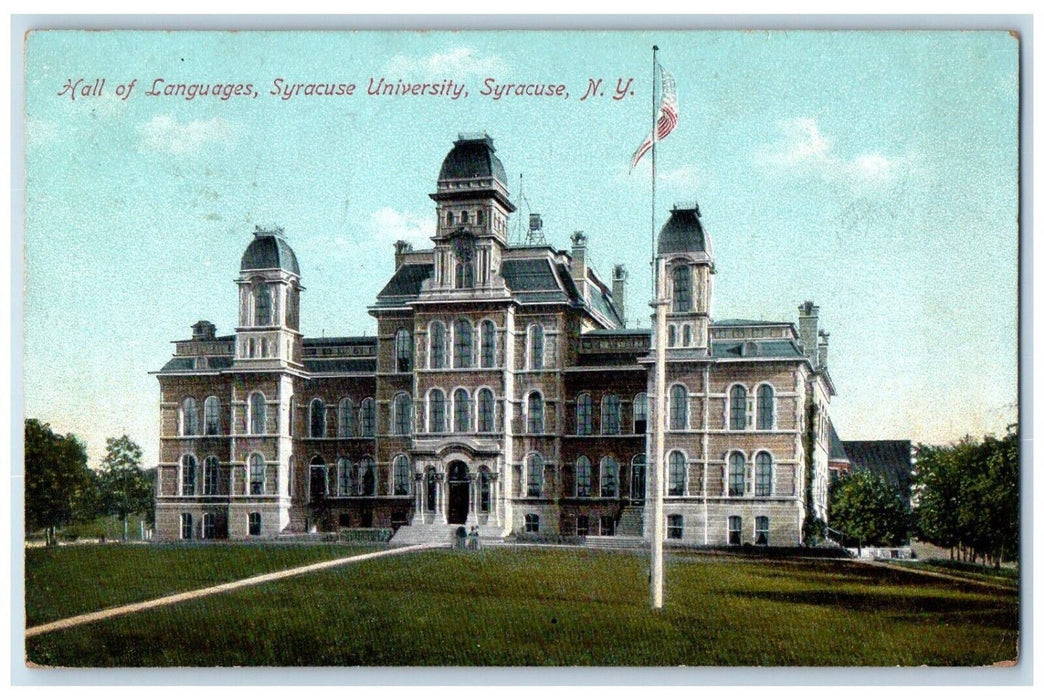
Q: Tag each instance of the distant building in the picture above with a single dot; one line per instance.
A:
(501, 390)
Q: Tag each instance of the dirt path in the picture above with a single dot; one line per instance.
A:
(221, 588)
(939, 574)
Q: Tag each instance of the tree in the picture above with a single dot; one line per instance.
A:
(865, 505)
(125, 488)
(58, 484)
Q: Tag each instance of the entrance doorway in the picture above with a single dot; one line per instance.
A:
(638, 479)
(459, 491)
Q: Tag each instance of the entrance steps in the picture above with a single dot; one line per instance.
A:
(441, 533)
(614, 542)
(632, 521)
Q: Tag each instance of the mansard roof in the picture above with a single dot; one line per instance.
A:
(683, 233)
(888, 458)
(269, 251)
(473, 156)
(736, 349)
(837, 448)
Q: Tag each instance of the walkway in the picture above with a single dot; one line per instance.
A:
(221, 588)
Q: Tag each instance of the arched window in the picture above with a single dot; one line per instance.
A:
(535, 346)
(532, 522)
(686, 335)
(345, 477)
(583, 477)
(534, 475)
(462, 343)
(209, 528)
(641, 413)
(677, 477)
(679, 407)
(437, 346)
(186, 526)
(318, 485)
(611, 414)
(188, 475)
(368, 476)
(257, 475)
(212, 416)
(254, 524)
(672, 336)
(464, 217)
(638, 477)
(461, 411)
(535, 413)
(738, 408)
(465, 275)
(766, 407)
(479, 217)
(401, 414)
(737, 474)
(449, 218)
(258, 423)
(345, 418)
(436, 411)
(317, 418)
(401, 476)
(210, 476)
(189, 417)
(486, 411)
(489, 344)
(610, 477)
(403, 351)
(367, 418)
(583, 414)
(763, 474)
(263, 306)
(682, 288)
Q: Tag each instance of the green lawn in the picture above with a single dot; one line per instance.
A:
(563, 607)
(1005, 575)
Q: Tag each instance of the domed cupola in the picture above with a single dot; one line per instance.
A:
(269, 251)
(268, 333)
(473, 157)
(687, 261)
(683, 233)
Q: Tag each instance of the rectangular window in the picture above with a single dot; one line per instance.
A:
(674, 527)
(532, 522)
(208, 526)
(186, 526)
(254, 523)
(582, 526)
(761, 525)
(641, 414)
(735, 529)
(257, 479)
(607, 526)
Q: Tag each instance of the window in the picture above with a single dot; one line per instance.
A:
(535, 345)
(403, 350)
(257, 475)
(583, 477)
(610, 474)
(436, 411)
(368, 476)
(317, 418)
(318, 488)
(583, 526)
(257, 414)
(535, 413)
(763, 474)
(431, 487)
(188, 475)
(735, 529)
(401, 418)
(675, 526)
(464, 217)
(465, 275)
(461, 411)
(738, 408)
(401, 476)
(672, 336)
(682, 288)
(676, 477)
(210, 476)
(485, 490)
(737, 474)
(608, 527)
(532, 522)
(254, 524)
(189, 417)
(209, 530)
(344, 477)
(638, 477)
(679, 407)
(534, 475)
(641, 413)
(449, 218)
(686, 335)
(583, 414)
(486, 411)
(489, 344)
(766, 407)
(186, 526)
(345, 418)
(437, 343)
(761, 524)
(263, 306)
(610, 414)
(461, 344)
(211, 416)
(367, 418)
(479, 217)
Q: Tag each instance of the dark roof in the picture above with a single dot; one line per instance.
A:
(619, 331)
(888, 458)
(530, 275)
(219, 362)
(269, 251)
(784, 349)
(683, 233)
(340, 341)
(472, 157)
(747, 322)
(320, 365)
(837, 449)
(175, 364)
(406, 282)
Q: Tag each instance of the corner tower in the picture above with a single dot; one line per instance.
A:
(685, 250)
(268, 335)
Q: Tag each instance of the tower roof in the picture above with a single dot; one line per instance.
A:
(473, 156)
(269, 251)
(683, 232)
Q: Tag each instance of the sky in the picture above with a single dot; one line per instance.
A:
(874, 173)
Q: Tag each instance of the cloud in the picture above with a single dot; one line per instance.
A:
(461, 61)
(168, 135)
(389, 225)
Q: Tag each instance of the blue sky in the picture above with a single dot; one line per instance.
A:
(875, 173)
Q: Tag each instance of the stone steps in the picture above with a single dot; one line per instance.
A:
(632, 522)
(616, 542)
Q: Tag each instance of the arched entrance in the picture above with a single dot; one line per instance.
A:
(459, 491)
(638, 478)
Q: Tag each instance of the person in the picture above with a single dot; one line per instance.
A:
(461, 534)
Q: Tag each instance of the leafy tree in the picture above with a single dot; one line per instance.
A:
(59, 488)
(867, 506)
(125, 488)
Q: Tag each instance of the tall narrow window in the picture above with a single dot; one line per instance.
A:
(485, 490)
(676, 477)
(583, 477)
(210, 476)
(761, 530)
(402, 415)
(344, 477)
(317, 418)
(610, 477)
(766, 407)
(735, 530)
(462, 343)
(345, 418)
(209, 529)
(672, 336)
(641, 413)
(188, 475)
(257, 475)
(461, 411)
(737, 474)
(263, 306)
(638, 478)
(367, 418)
(738, 408)
(686, 335)
(583, 414)
(449, 218)
(679, 407)
(465, 275)
(368, 476)
(436, 411)
(257, 414)
(534, 476)
(186, 526)
(489, 344)
(401, 476)
(437, 346)
(189, 417)
(430, 489)
(254, 524)
(403, 351)
(212, 416)
(682, 288)
(675, 526)
(535, 413)
(486, 411)
(763, 474)
(318, 485)
(536, 346)
(611, 414)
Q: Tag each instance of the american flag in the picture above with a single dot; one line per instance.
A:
(666, 117)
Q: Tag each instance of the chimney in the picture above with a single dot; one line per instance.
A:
(619, 289)
(203, 330)
(824, 341)
(401, 248)
(578, 261)
(808, 327)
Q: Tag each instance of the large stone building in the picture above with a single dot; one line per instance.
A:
(501, 390)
